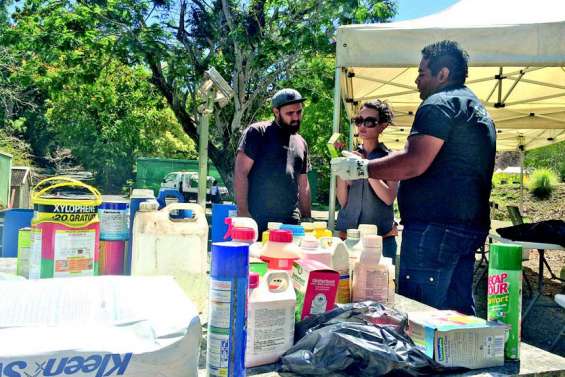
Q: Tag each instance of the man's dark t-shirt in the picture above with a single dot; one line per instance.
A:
(455, 189)
(279, 158)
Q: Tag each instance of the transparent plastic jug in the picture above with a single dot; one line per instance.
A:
(176, 247)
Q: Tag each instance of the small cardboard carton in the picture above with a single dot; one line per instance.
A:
(316, 287)
(457, 340)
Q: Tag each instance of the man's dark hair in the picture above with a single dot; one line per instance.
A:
(450, 55)
(383, 108)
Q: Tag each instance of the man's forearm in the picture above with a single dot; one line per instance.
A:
(241, 187)
(304, 202)
(396, 166)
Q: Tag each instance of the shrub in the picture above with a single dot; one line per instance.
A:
(542, 182)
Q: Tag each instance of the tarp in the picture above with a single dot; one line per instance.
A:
(517, 59)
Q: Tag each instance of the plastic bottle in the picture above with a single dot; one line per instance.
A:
(353, 237)
(311, 250)
(339, 263)
(391, 275)
(355, 252)
(296, 230)
(321, 230)
(241, 222)
(308, 228)
(504, 299)
(270, 325)
(280, 252)
(270, 226)
(370, 277)
(229, 279)
(243, 234)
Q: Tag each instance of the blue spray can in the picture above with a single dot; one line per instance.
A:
(227, 333)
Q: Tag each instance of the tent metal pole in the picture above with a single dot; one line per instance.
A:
(337, 116)
(522, 153)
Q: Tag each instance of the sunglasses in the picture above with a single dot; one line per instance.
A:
(369, 122)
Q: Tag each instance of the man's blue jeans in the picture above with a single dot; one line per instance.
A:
(436, 265)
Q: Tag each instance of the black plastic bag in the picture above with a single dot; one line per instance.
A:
(345, 341)
(548, 231)
(366, 313)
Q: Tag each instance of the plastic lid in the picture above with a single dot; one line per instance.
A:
(142, 194)
(297, 230)
(308, 227)
(353, 233)
(372, 241)
(273, 225)
(368, 229)
(505, 256)
(280, 235)
(253, 280)
(310, 242)
(243, 234)
(148, 206)
(320, 225)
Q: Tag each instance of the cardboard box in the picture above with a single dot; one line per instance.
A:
(98, 326)
(316, 287)
(458, 340)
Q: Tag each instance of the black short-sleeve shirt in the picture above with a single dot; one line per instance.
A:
(279, 158)
(455, 189)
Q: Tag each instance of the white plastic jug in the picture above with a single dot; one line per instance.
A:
(176, 247)
(340, 263)
(370, 277)
(310, 250)
(270, 321)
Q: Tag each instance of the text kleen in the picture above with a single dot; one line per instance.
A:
(96, 365)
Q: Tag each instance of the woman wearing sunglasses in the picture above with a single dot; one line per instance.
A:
(369, 201)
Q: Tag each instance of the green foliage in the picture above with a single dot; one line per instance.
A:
(542, 183)
(552, 157)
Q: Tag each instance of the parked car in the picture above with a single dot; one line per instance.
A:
(186, 183)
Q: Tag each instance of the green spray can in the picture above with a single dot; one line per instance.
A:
(504, 299)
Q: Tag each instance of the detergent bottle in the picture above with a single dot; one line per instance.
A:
(355, 252)
(280, 252)
(370, 277)
(311, 250)
(321, 230)
(271, 225)
(340, 263)
(270, 322)
(241, 222)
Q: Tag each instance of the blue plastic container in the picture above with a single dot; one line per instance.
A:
(11, 221)
(227, 336)
(137, 197)
(165, 193)
(114, 219)
(219, 214)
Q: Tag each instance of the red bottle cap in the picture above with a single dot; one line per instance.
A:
(243, 234)
(253, 280)
(280, 236)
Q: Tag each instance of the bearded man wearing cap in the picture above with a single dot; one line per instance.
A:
(271, 166)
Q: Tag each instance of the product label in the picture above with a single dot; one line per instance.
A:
(113, 223)
(376, 287)
(343, 290)
(73, 215)
(226, 326)
(96, 365)
(270, 329)
(74, 252)
(504, 303)
(35, 254)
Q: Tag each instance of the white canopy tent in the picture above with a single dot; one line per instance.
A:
(517, 68)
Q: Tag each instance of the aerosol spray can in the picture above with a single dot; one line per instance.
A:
(504, 301)
(229, 280)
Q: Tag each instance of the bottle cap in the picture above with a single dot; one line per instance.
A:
(367, 229)
(280, 236)
(148, 206)
(320, 225)
(310, 242)
(353, 233)
(297, 230)
(253, 280)
(308, 227)
(372, 241)
(243, 234)
(505, 256)
(273, 225)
